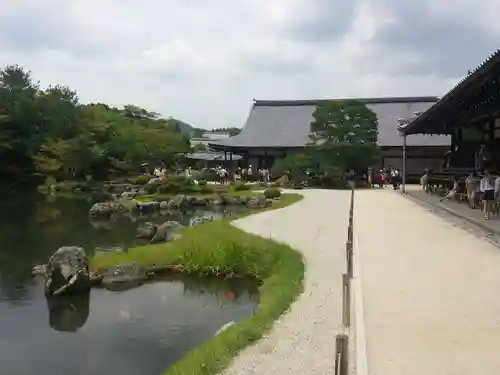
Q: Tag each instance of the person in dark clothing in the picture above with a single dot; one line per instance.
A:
(395, 178)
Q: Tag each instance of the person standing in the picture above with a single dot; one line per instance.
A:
(395, 178)
(369, 177)
(471, 187)
(487, 189)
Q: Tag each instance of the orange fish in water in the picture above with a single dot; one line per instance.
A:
(230, 295)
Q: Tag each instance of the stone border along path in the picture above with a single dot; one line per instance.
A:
(302, 341)
(430, 290)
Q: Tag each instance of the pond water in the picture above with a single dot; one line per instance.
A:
(139, 331)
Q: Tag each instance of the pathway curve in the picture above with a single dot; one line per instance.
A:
(303, 340)
(431, 291)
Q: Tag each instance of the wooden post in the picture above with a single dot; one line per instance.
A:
(403, 188)
(341, 355)
(346, 301)
(349, 258)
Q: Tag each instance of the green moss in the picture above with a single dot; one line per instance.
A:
(218, 248)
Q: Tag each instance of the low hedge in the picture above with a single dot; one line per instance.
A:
(272, 193)
(218, 248)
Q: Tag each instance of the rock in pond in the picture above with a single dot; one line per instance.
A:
(107, 209)
(124, 277)
(146, 230)
(157, 233)
(147, 207)
(67, 272)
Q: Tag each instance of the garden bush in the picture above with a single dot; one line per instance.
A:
(202, 182)
(141, 180)
(272, 193)
(151, 188)
(241, 186)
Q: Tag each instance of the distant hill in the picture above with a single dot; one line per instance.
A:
(184, 128)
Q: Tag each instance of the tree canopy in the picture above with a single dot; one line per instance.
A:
(343, 137)
(344, 134)
(48, 132)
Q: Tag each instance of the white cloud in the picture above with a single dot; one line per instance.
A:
(204, 61)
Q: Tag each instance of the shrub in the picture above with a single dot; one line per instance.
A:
(272, 193)
(241, 186)
(206, 189)
(151, 188)
(141, 180)
(202, 183)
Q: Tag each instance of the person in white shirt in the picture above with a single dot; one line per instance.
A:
(487, 189)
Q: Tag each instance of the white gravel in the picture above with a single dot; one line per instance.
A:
(303, 340)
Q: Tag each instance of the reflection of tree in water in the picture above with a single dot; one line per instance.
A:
(68, 313)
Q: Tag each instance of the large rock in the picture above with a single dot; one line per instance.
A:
(67, 272)
(148, 207)
(257, 202)
(201, 220)
(146, 230)
(164, 230)
(126, 276)
(179, 201)
(107, 208)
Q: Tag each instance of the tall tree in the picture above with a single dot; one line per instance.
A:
(344, 133)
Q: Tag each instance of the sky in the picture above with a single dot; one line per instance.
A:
(204, 61)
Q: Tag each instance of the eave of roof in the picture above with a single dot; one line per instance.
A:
(412, 127)
(310, 102)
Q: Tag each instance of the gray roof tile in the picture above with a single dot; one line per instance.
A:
(288, 123)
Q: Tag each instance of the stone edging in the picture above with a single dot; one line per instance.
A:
(455, 213)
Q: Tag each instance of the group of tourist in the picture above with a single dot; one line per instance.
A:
(251, 175)
(384, 177)
(484, 188)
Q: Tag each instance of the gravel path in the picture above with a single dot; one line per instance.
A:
(303, 340)
(430, 290)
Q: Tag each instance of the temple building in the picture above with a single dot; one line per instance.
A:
(470, 114)
(275, 129)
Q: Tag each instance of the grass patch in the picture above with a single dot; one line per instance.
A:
(218, 248)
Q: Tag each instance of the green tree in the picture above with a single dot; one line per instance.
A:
(50, 133)
(344, 134)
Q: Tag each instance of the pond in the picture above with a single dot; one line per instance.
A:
(139, 331)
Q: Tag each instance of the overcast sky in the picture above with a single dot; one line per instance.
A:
(203, 61)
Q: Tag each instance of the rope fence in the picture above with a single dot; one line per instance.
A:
(342, 340)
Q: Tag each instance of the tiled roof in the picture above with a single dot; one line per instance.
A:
(417, 125)
(287, 123)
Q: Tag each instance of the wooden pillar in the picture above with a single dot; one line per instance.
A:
(403, 188)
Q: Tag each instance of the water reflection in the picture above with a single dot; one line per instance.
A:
(138, 331)
(68, 313)
(33, 226)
